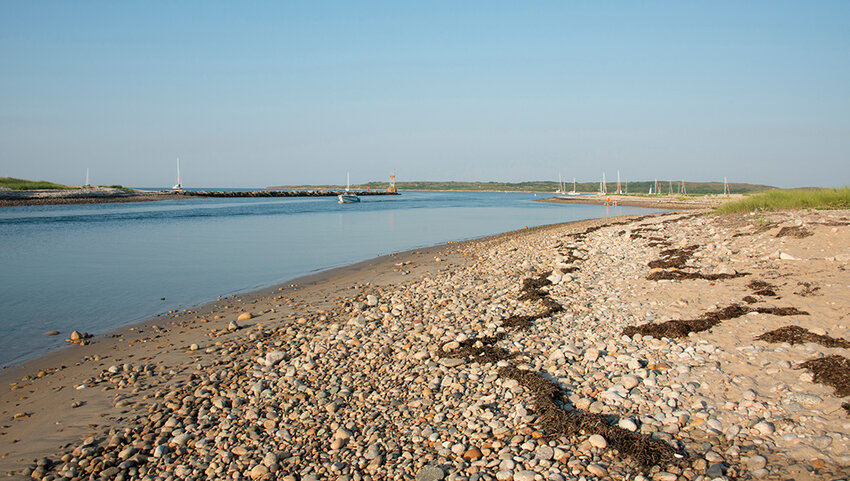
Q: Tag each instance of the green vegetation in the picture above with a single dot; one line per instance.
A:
(790, 199)
(547, 186)
(22, 184)
(118, 186)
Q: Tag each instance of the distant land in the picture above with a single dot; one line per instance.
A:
(641, 187)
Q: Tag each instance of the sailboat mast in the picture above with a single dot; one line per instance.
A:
(178, 172)
(618, 182)
(87, 177)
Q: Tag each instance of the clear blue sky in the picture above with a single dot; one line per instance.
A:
(251, 94)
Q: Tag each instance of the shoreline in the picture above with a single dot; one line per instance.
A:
(673, 202)
(76, 362)
(383, 336)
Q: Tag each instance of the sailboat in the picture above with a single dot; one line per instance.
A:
(347, 197)
(178, 185)
(560, 185)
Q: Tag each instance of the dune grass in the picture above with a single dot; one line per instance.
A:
(23, 184)
(790, 199)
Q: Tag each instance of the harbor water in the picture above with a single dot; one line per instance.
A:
(98, 267)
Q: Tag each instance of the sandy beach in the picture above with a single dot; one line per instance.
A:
(620, 348)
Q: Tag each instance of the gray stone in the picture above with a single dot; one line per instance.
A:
(544, 452)
(427, 473)
(715, 470)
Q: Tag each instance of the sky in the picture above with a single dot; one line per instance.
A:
(253, 94)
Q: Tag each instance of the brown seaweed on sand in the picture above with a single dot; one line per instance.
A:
(681, 328)
(833, 371)
(799, 335)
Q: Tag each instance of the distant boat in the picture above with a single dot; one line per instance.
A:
(178, 185)
(348, 197)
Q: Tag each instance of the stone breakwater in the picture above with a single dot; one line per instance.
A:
(100, 195)
(513, 365)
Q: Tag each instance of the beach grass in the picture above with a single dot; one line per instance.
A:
(782, 199)
(23, 184)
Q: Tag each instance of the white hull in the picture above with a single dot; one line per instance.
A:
(348, 198)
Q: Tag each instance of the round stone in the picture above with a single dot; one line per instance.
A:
(244, 316)
(544, 452)
(756, 462)
(429, 473)
(597, 441)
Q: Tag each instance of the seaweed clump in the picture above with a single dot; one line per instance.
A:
(833, 371)
(556, 421)
(762, 288)
(482, 350)
(798, 232)
(800, 335)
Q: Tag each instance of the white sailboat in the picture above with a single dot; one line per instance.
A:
(178, 185)
(560, 185)
(347, 197)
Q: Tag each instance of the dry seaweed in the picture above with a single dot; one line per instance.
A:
(750, 299)
(554, 420)
(681, 328)
(673, 258)
(807, 289)
(833, 371)
(799, 335)
(798, 232)
(682, 275)
(762, 288)
(846, 407)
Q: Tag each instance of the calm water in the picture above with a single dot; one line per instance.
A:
(97, 267)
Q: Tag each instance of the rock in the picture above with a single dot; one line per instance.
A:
(504, 475)
(269, 459)
(524, 475)
(716, 470)
(472, 454)
(805, 399)
(765, 427)
(759, 473)
(597, 441)
(372, 301)
(591, 355)
(245, 316)
(193, 347)
(259, 472)
(451, 361)
(664, 476)
(756, 462)
(52, 333)
(544, 452)
(629, 382)
(724, 269)
(627, 424)
(787, 257)
(232, 326)
(427, 473)
(597, 470)
(274, 357)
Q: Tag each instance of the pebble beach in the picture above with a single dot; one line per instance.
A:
(676, 346)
